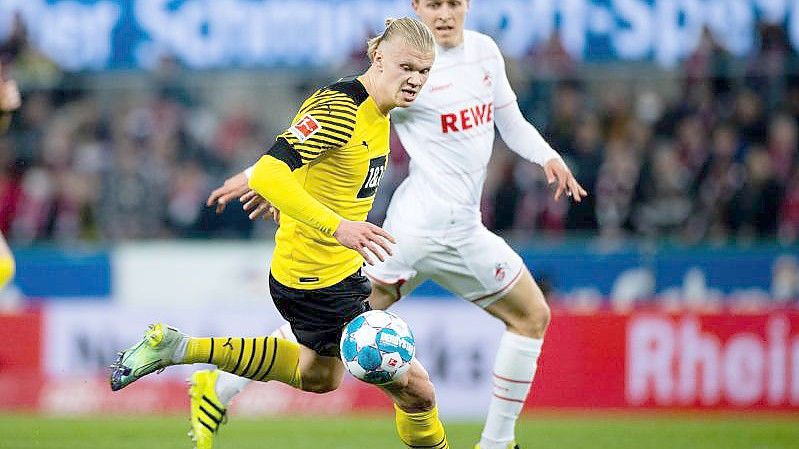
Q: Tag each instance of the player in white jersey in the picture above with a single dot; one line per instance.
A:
(435, 215)
(435, 212)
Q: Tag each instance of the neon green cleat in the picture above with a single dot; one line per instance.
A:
(207, 411)
(153, 353)
(511, 445)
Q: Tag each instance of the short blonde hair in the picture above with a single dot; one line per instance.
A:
(411, 30)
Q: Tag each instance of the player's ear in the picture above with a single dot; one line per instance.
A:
(378, 60)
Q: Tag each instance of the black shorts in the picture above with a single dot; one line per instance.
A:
(317, 317)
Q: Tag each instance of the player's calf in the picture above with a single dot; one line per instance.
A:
(416, 416)
(320, 374)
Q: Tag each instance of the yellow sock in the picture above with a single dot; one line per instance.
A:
(421, 429)
(257, 358)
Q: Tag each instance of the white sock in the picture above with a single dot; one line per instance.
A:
(180, 351)
(229, 385)
(514, 369)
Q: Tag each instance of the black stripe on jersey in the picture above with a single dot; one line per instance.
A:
(306, 147)
(340, 114)
(283, 151)
(303, 151)
(337, 109)
(338, 99)
(345, 134)
(353, 88)
(343, 126)
(322, 136)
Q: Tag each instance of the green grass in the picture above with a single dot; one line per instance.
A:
(560, 431)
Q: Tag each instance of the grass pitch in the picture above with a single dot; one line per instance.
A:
(562, 431)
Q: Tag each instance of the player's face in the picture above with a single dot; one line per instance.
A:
(445, 19)
(404, 71)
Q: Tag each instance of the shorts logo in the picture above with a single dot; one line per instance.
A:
(500, 270)
(305, 128)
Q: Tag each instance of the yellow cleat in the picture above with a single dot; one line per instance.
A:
(207, 412)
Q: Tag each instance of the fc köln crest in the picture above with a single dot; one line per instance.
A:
(500, 270)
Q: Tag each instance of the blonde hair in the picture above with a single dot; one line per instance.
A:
(411, 30)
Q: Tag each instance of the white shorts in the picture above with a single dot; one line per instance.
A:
(478, 266)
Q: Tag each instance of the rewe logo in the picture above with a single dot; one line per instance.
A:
(679, 363)
(467, 118)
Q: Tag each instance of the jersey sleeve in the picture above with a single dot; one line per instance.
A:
(503, 92)
(324, 122)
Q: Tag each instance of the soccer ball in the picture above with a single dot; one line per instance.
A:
(377, 347)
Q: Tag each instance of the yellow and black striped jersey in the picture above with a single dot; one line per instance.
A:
(336, 150)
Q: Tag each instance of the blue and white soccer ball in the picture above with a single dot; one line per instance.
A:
(377, 347)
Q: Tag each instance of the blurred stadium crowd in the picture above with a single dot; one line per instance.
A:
(704, 153)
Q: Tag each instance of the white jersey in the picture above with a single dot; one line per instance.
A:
(449, 134)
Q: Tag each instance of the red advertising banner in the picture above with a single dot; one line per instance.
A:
(627, 361)
(678, 361)
(20, 359)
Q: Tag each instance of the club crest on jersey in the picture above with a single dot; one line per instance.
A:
(500, 270)
(305, 128)
(487, 79)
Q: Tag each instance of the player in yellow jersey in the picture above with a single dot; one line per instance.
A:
(322, 174)
(9, 102)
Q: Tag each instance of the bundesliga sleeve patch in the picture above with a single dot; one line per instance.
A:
(305, 128)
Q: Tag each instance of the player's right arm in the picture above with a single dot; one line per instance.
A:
(324, 123)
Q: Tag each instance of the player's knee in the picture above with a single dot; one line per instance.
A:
(382, 296)
(532, 323)
(320, 384)
(319, 387)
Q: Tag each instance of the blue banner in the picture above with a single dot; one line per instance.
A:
(204, 34)
(569, 270)
(55, 273)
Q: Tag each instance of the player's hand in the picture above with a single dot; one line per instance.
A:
(9, 96)
(365, 238)
(557, 171)
(233, 188)
(258, 206)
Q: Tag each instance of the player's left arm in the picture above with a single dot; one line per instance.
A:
(522, 137)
